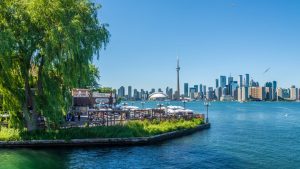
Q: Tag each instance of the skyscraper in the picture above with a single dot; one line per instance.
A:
(210, 94)
(274, 87)
(230, 80)
(169, 92)
(247, 80)
(234, 90)
(121, 91)
(217, 83)
(293, 93)
(192, 92)
(196, 88)
(258, 93)
(201, 91)
(241, 81)
(222, 81)
(129, 92)
(245, 93)
(142, 94)
(269, 91)
(224, 91)
(218, 93)
(186, 89)
(136, 94)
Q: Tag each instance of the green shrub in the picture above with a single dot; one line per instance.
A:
(9, 134)
(136, 128)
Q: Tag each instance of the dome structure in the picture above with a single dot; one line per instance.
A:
(158, 96)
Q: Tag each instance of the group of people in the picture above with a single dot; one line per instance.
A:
(71, 117)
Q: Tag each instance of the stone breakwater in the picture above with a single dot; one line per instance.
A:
(104, 141)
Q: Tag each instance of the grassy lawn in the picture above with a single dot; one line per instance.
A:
(131, 129)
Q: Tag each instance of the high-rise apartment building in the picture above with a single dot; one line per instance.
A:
(224, 91)
(274, 90)
(283, 94)
(186, 89)
(210, 94)
(222, 81)
(169, 92)
(142, 94)
(192, 92)
(136, 94)
(294, 93)
(230, 80)
(196, 88)
(241, 81)
(218, 93)
(247, 81)
(204, 91)
(245, 94)
(129, 92)
(121, 91)
(234, 88)
(201, 91)
(257, 93)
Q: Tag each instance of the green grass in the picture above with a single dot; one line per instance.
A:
(131, 129)
(8, 134)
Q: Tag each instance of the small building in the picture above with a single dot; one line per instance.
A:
(83, 99)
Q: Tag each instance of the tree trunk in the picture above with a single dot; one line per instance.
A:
(40, 81)
(29, 113)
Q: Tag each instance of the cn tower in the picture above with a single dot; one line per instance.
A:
(178, 84)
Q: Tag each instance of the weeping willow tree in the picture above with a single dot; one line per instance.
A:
(46, 49)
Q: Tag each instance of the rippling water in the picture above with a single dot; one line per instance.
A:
(248, 135)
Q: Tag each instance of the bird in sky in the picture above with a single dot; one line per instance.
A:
(266, 70)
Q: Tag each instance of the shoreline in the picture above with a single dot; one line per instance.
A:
(134, 141)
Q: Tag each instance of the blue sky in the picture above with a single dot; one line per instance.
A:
(211, 38)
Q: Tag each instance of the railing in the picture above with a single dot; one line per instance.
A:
(120, 117)
(111, 117)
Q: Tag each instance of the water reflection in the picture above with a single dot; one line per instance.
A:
(32, 158)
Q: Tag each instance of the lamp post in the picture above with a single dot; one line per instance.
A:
(159, 105)
(207, 104)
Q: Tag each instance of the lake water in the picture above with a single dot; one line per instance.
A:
(242, 135)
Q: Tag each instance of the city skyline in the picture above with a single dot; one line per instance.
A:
(209, 38)
(241, 89)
